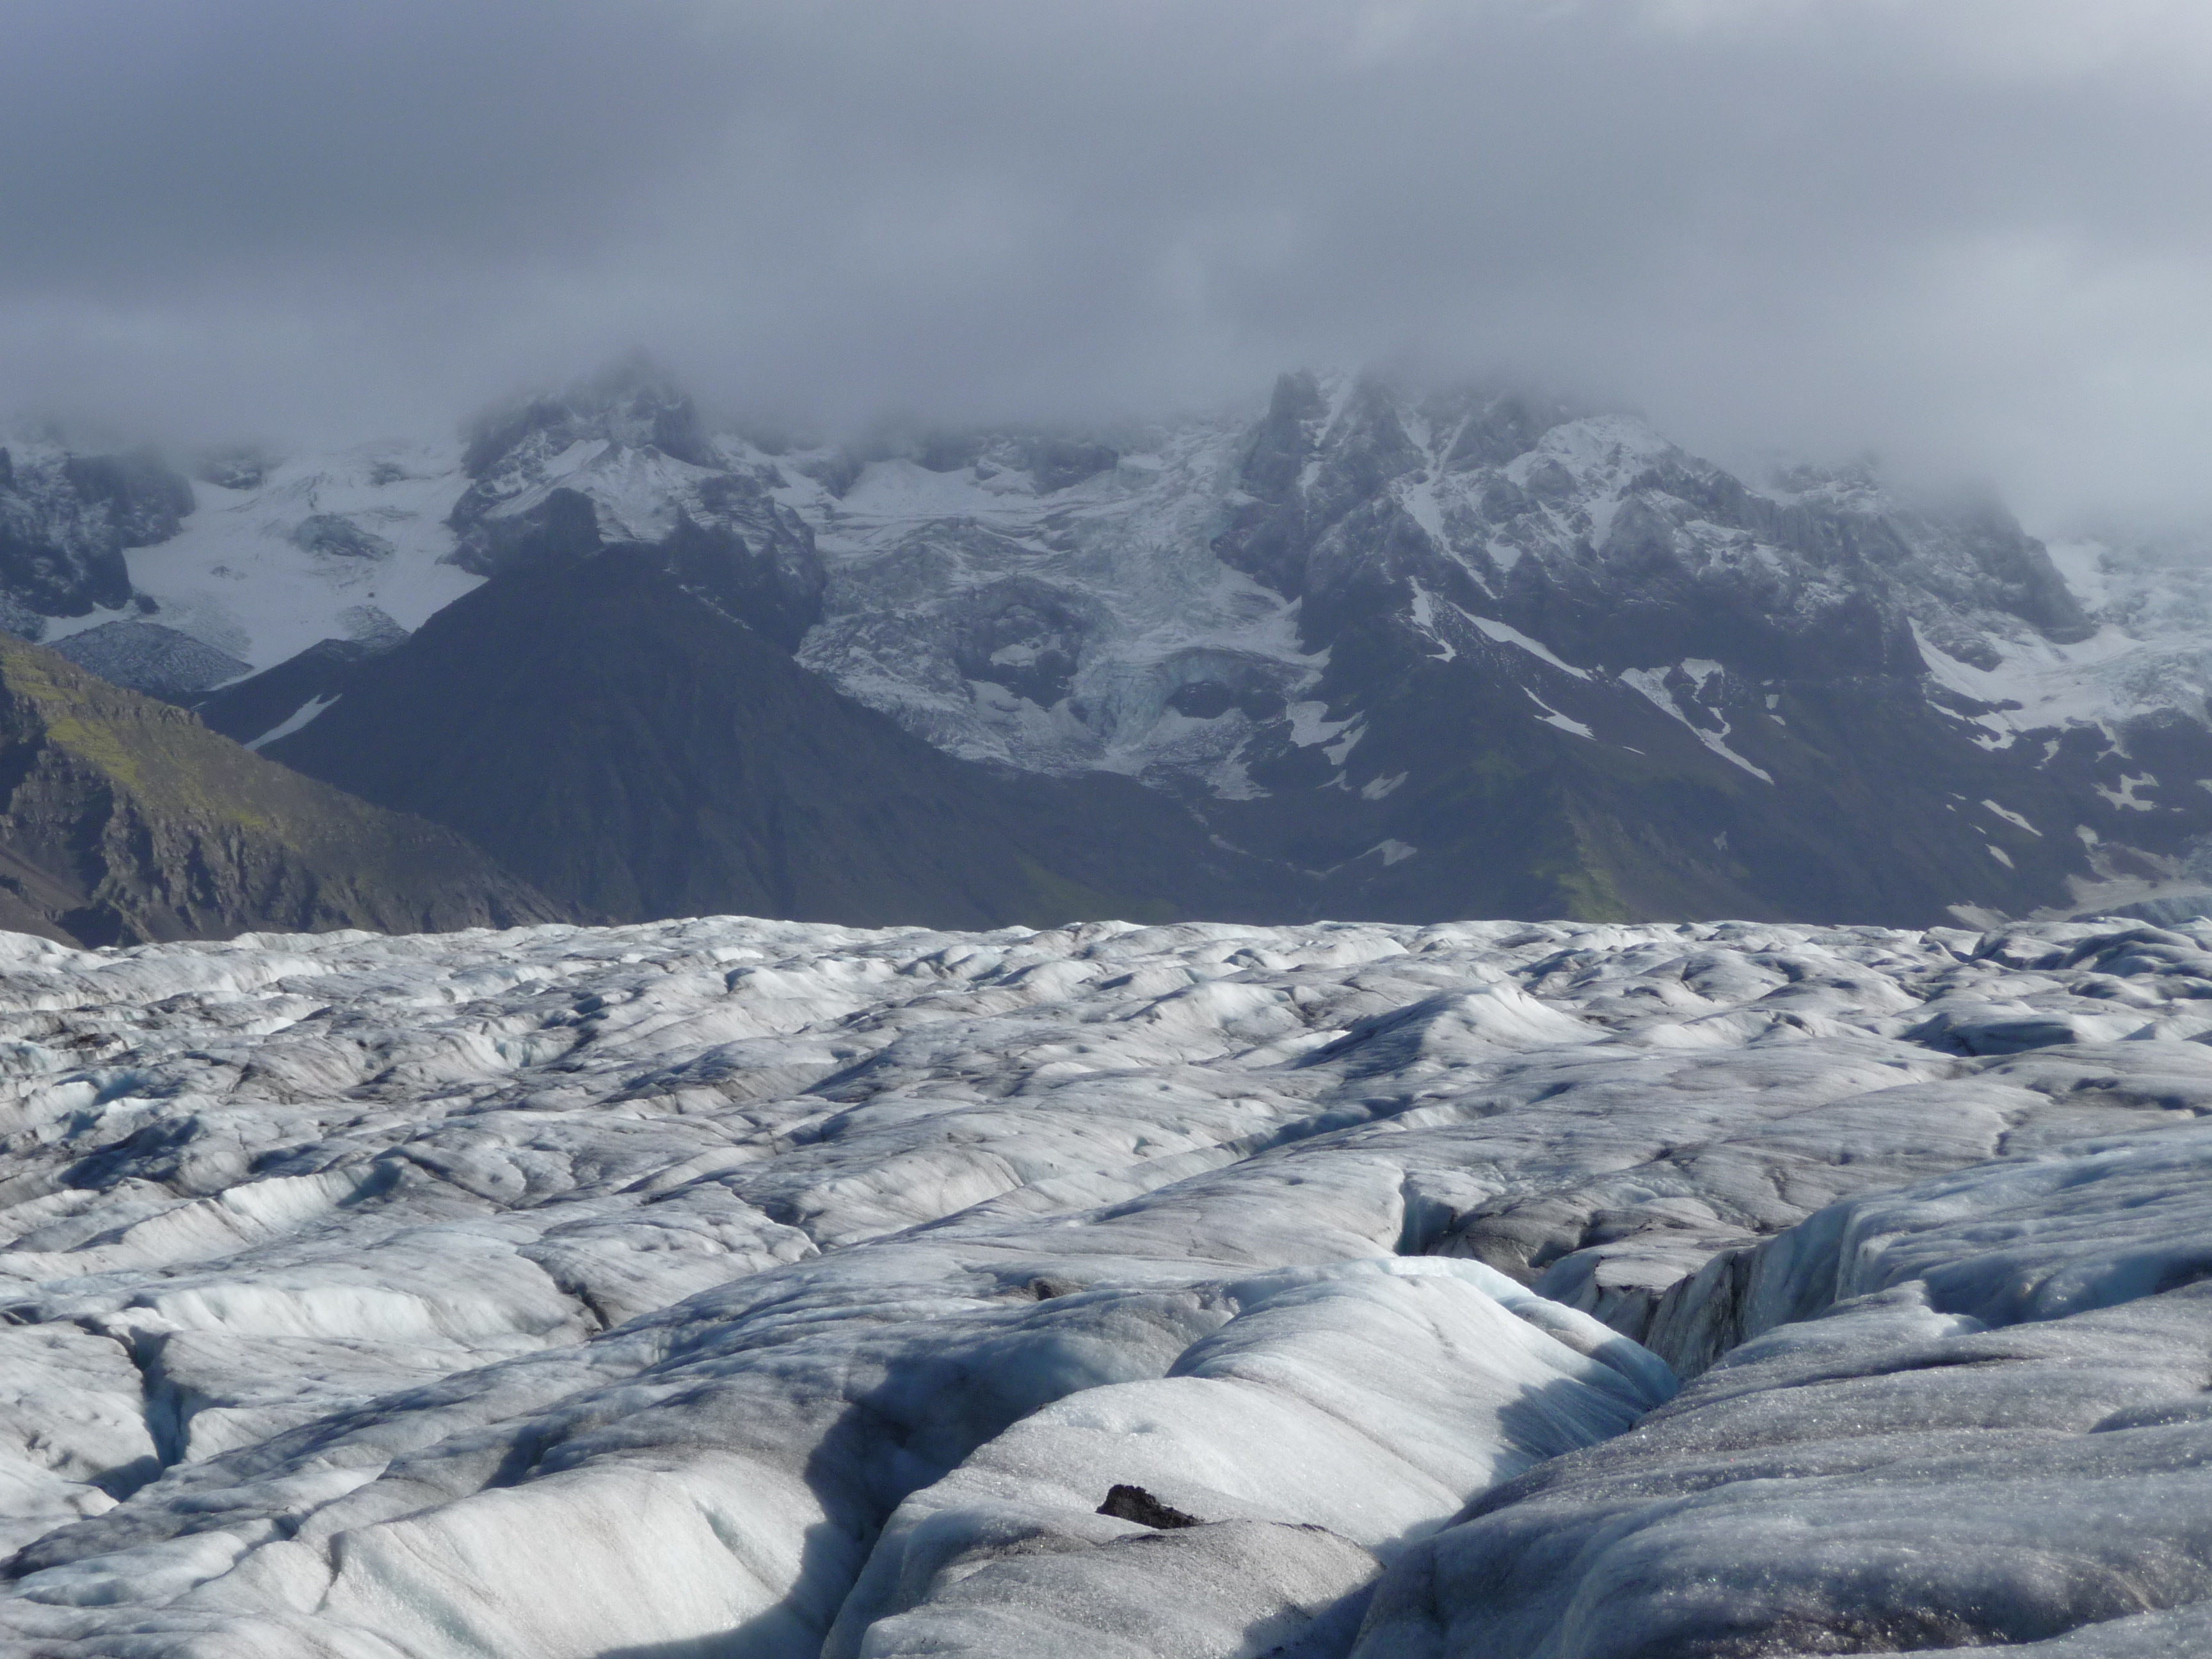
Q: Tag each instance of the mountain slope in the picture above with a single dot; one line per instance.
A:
(1495, 782)
(626, 746)
(125, 820)
(1468, 652)
(1374, 651)
(1722, 698)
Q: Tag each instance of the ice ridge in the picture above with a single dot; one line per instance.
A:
(746, 1288)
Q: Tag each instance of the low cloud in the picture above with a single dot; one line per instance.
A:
(1968, 233)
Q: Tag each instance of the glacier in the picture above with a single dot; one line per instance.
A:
(345, 545)
(726, 1286)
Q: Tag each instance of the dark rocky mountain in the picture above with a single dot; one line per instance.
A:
(1657, 693)
(65, 521)
(124, 820)
(1492, 656)
(1379, 653)
(252, 710)
(622, 458)
(618, 739)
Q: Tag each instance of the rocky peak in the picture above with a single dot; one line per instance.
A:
(1590, 531)
(66, 518)
(621, 459)
(1275, 452)
(632, 402)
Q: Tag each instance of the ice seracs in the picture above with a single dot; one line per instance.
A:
(1058, 630)
(1976, 1417)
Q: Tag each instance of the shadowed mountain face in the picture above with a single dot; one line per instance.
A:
(1495, 784)
(1372, 652)
(632, 749)
(124, 820)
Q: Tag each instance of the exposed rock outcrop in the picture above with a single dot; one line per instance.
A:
(123, 819)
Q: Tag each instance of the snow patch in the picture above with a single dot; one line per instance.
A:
(1425, 618)
(2012, 818)
(1309, 724)
(293, 721)
(1655, 690)
(1552, 716)
(2125, 794)
(1506, 634)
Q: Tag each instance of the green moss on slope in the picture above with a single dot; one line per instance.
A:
(123, 819)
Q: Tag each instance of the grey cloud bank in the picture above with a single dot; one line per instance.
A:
(1971, 235)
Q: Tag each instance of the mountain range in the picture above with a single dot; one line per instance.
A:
(1368, 650)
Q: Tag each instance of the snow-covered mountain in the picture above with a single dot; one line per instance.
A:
(350, 546)
(1419, 653)
(772, 1291)
(65, 519)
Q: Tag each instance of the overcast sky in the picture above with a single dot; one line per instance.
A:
(1974, 234)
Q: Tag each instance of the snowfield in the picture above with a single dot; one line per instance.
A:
(729, 1287)
(249, 577)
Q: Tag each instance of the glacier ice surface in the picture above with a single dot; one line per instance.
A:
(726, 1286)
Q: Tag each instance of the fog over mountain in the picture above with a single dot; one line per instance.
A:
(1967, 235)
